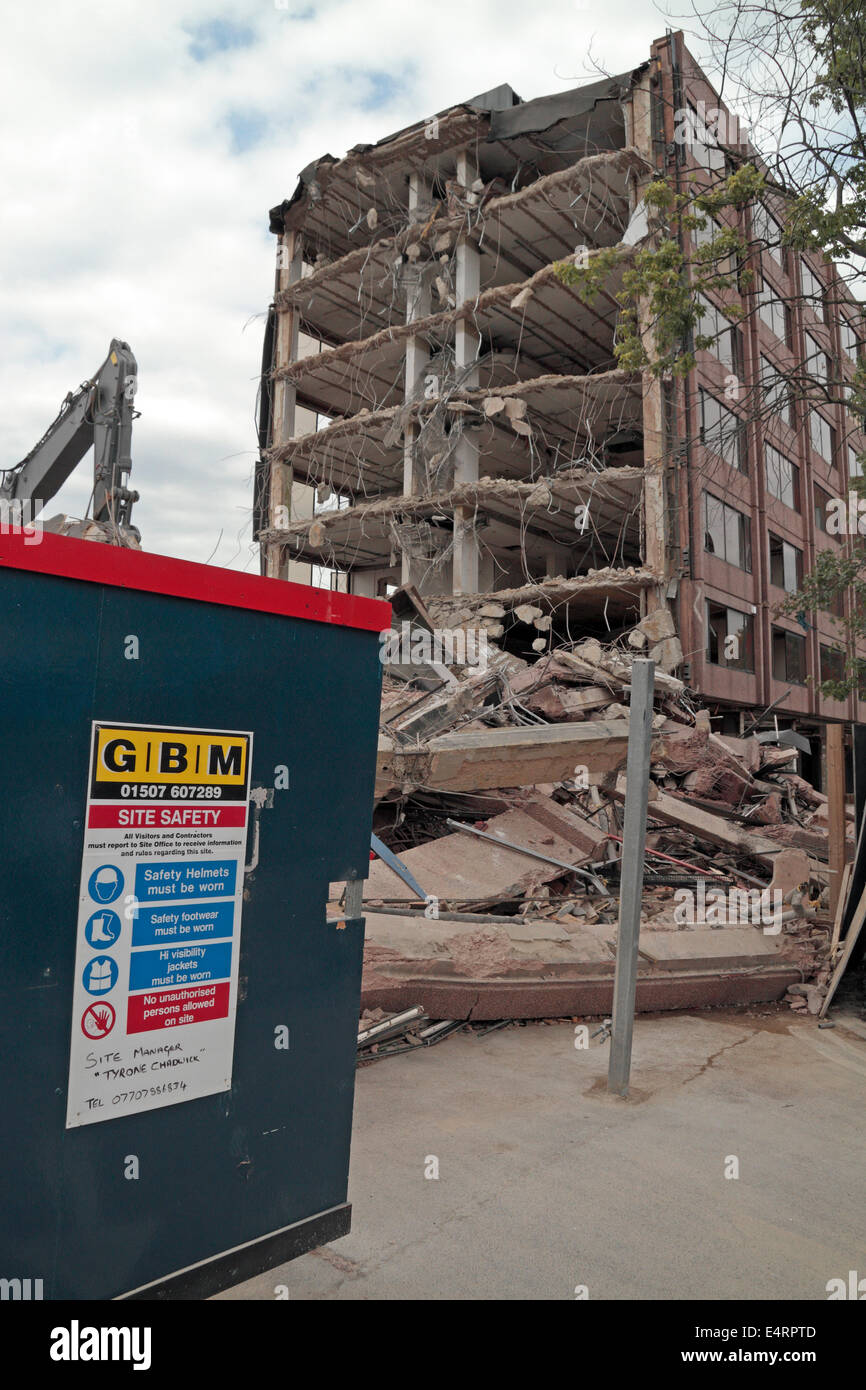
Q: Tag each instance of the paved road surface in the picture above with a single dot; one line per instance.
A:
(546, 1183)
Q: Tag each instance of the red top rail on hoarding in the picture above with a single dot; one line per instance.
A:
(41, 552)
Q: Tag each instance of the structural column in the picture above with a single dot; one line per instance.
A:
(836, 811)
(466, 347)
(289, 266)
(655, 519)
(417, 359)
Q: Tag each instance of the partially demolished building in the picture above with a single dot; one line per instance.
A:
(459, 412)
(444, 417)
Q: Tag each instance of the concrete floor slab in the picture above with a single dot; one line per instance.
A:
(705, 948)
(546, 1183)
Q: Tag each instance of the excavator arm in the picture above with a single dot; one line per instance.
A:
(98, 415)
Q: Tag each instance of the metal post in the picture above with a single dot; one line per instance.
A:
(836, 811)
(859, 774)
(631, 878)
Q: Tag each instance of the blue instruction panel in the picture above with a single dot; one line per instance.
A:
(207, 879)
(180, 965)
(182, 922)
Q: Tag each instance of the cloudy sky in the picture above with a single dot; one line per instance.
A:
(143, 146)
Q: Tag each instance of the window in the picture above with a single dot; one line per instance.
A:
(786, 565)
(822, 435)
(783, 477)
(713, 324)
(730, 637)
(789, 657)
(723, 432)
(855, 467)
(832, 664)
(773, 311)
(769, 232)
(727, 533)
(777, 393)
(850, 341)
(822, 502)
(817, 362)
(705, 236)
(813, 290)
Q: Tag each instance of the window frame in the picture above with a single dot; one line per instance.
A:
(761, 213)
(792, 642)
(780, 385)
(796, 504)
(731, 432)
(823, 425)
(813, 290)
(748, 626)
(783, 547)
(730, 517)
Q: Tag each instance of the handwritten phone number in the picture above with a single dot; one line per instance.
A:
(130, 1097)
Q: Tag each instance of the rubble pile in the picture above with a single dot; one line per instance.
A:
(501, 787)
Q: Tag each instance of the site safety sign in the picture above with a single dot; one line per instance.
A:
(159, 919)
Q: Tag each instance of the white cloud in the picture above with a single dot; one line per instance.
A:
(126, 212)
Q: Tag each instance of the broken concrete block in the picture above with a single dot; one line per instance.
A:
(637, 639)
(520, 757)
(718, 782)
(491, 610)
(814, 998)
(543, 624)
(667, 654)
(590, 651)
(658, 625)
(682, 749)
(718, 831)
(557, 703)
(769, 812)
(540, 644)
(527, 612)
(746, 750)
(791, 868)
